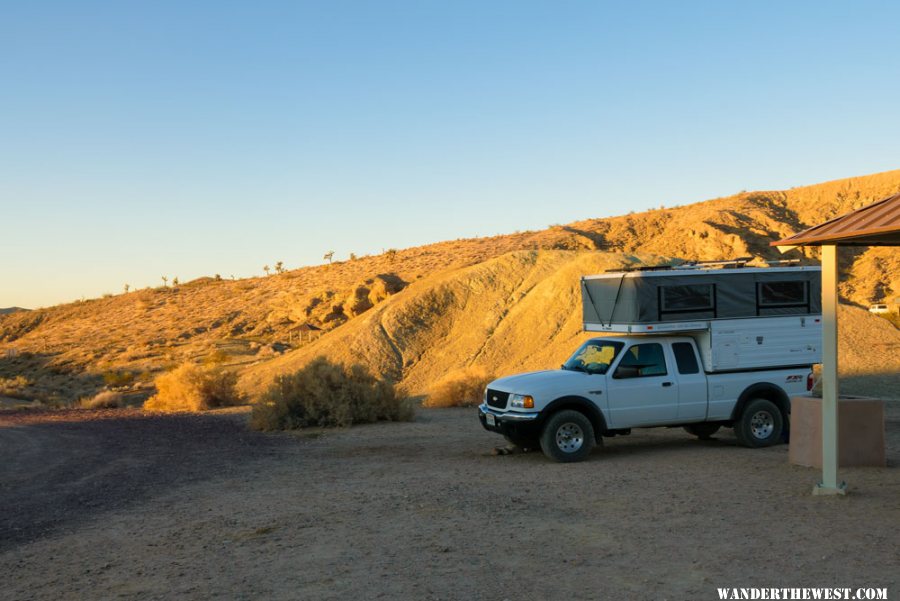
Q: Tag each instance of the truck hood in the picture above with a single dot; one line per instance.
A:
(556, 383)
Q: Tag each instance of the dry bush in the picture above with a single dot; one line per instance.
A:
(461, 388)
(194, 388)
(328, 395)
(106, 399)
(13, 387)
(216, 357)
(118, 379)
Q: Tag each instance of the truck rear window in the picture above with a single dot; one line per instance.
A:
(686, 358)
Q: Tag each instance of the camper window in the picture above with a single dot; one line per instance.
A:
(782, 294)
(686, 298)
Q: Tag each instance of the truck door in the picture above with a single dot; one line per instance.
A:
(641, 389)
(692, 393)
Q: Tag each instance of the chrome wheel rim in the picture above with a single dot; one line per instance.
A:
(762, 424)
(569, 437)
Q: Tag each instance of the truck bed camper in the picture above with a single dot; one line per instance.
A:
(742, 318)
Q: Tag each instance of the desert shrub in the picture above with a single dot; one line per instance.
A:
(106, 399)
(462, 388)
(12, 387)
(216, 357)
(327, 395)
(117, 379)
(194, 388)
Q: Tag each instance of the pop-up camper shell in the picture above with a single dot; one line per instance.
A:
(744, 318)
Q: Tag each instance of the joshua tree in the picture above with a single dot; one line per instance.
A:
(175, 281)
(391, 254)
(352, 256)
(266, 268)
(329, 256)
(279, 267)
(218, 277)
(165, 281)
(126, 287)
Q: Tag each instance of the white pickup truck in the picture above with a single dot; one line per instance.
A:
(615, 383)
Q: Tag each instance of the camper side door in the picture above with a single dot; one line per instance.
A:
(642, 388)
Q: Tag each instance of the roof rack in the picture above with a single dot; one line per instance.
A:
(730, 264)
(641, 268)
(773, 263)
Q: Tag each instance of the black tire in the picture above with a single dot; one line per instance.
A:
(523, 442)
(568, 436)
(760, 425)
(703, 431)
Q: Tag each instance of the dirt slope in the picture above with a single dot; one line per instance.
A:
(517, 311)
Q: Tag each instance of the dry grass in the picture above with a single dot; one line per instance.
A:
(463, 388)
(194, 388)
(324, 394)
(14, 387)
(106, 399)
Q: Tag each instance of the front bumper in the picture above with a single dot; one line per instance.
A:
(509, 422)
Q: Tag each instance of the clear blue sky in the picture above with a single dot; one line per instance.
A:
(192, 138)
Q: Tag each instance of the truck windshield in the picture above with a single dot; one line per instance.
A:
(594, 356)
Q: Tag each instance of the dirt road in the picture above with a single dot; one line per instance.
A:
(125, 506)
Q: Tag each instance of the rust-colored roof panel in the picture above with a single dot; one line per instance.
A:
(877, 224)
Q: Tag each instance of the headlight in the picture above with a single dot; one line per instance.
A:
(521, 401)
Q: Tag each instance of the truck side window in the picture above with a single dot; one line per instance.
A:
(685, 358)
(642, 360)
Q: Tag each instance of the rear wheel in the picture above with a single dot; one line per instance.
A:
(703, 431)
(567, 436)
(760, 425)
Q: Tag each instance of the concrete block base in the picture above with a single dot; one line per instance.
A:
(826, 491)
(860, 433)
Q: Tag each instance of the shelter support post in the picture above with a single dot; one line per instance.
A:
(829, 484)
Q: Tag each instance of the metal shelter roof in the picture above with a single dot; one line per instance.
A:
(877, 224)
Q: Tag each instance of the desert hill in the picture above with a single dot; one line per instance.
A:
(502, 302)
(522, 312)
(8, 310)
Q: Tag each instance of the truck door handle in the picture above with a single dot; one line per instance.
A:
(667, 383)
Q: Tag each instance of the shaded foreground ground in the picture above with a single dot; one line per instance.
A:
(129, 506)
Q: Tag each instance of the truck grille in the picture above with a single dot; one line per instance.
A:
(497, 399)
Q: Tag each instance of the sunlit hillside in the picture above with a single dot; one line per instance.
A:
(503, 302)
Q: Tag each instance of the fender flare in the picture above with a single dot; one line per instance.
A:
(578, 403)
(763, 390)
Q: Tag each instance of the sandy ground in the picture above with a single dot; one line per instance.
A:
(116, 505)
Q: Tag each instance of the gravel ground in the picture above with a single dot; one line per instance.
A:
(115, 504)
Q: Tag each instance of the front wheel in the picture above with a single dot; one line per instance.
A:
(568, 436)
(760, 425)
